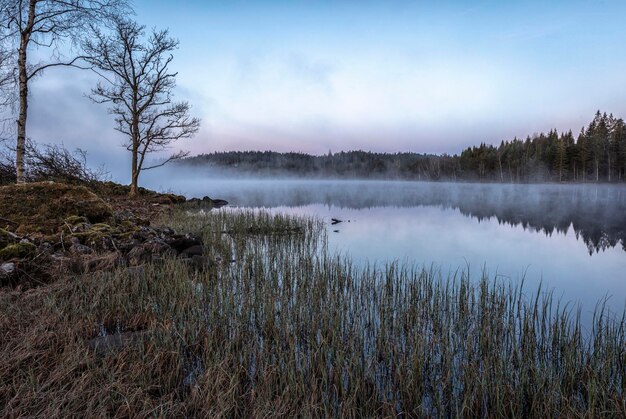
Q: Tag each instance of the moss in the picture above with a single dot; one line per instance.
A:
(103, 228)
(18, 251)
(75, 220)
(129, 226)
(5, 238)
(96, 234)
(45, 206)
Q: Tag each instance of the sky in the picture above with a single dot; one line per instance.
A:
(314, 76)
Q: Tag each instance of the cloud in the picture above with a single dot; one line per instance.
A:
(407, 76)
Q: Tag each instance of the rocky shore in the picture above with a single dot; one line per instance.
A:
(49, 228)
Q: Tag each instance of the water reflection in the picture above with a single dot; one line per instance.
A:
(596, 213)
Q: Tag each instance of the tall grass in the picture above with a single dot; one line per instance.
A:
(279, 326)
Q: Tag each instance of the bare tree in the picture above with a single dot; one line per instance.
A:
(138, 86)
(46, 24)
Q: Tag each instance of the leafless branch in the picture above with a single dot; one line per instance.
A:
(138, 89)
(180, 155)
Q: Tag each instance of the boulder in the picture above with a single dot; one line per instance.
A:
(7, 269)
(182, 243)
(217, 203)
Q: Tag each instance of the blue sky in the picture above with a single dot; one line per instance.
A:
(385, 76)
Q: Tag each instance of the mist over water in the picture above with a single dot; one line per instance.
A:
(569, 238)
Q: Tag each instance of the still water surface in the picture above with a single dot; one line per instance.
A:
(569, 238)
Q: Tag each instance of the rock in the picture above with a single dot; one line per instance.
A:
(7, 269)
(80, 249)
(45, 248)
(59, 257)
(166, 232)
(195, 250)
(182, 243)
(208, 201)
(219, 203)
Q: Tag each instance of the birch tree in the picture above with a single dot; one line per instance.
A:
(138, 85)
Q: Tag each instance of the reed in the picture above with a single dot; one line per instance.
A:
(280, 326)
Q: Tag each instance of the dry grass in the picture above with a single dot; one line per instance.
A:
(287, 329)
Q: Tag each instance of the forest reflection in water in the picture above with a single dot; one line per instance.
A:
(596, 213)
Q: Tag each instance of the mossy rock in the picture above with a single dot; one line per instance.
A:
(5, 238)
(18, 251)
(45, 207)
(96, 234)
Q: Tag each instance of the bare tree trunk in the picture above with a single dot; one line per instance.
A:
(134, 174)
(135, 164)
(20, 149)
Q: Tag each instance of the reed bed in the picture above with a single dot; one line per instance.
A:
(278, 326)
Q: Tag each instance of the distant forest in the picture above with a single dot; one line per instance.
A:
(598, 154)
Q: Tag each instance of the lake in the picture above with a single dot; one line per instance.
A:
(569, 238)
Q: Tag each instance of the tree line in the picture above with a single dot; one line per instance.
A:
(598, 154)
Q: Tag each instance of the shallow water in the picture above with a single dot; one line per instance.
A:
(569, 238)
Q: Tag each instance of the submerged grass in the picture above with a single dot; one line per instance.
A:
(278, 326)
